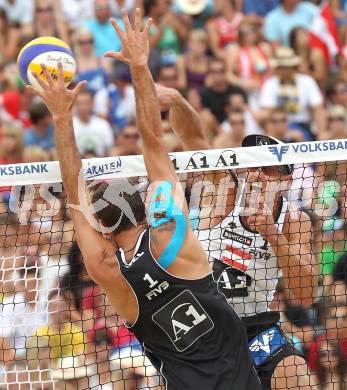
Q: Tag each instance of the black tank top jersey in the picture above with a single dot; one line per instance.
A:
(188, 330)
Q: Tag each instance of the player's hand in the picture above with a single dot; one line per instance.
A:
(167, 97)
(135, 43)
(58, 99)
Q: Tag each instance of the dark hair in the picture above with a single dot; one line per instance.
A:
(112, 214)
(38, 111)
(341, 368)
(66, 286)
(340, 270)
(293, 38)
(148, 5)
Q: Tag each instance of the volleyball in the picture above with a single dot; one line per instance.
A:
(48, 51)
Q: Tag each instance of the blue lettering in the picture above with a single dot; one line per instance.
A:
(119, 163)
(296, 148)
(332, 145)
(44, 168)
(18, 170)
(303, 148)
(94, 170)
(339, 145)
(3, 171)
(325, 146)
(11, 171)
(35, 169)
(113, 166)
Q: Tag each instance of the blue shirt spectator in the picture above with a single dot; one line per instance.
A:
(105, 37)
(259, 7)
(290, 14)
(42, 131)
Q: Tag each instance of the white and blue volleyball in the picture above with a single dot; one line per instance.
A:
(48, 51)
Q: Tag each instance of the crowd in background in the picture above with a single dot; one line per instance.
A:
(246, 66)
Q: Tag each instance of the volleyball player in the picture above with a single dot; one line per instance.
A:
(249, 252)
(157, 277)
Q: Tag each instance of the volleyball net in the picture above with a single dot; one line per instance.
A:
(57, 328)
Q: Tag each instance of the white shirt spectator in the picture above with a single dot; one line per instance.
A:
(117, 9)
(19, 11)
(96, 135)
(126, 107)
(296, 99)
(19, 320)
(76, 12)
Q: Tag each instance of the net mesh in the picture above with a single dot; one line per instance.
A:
(57, 328)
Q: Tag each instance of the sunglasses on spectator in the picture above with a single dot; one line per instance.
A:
(129, 136)
(337, 118)
(86, 41)
(44, 9)
(278, 120)
(327, 353)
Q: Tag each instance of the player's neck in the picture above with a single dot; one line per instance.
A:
(127, 239)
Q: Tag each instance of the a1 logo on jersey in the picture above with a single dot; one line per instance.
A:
(184, 320)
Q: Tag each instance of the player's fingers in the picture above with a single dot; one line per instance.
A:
(137, 20)
(115, 54)
(81, 85)
(61, 77)
(126, 21)
(47, 75)
(42, 83)
(119, 31)
(147, 26)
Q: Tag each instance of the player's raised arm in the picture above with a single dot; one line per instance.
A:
(59, 101)
(135, 52)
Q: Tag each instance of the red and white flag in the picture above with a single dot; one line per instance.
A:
(324, 35)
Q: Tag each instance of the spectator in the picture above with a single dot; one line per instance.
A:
(128, 142)
(277, 125)
(193, 65)
(296, 93)
(259, 8)
(215, 97)
(337, 92)
(9, 37)
(42, 131)
(223, 28)
(19, 12)
(116, 102)
(90, 67)
(233, 138)
(248, 61)
(332, 367)
(167, 30)
(102, 30)
(91, 132)
(195, 13)
(336, 123)
(46, 23)
(168, 76)
(77, 12)
(11, 149)
(286, 16)
(118, 5)
(312, 60)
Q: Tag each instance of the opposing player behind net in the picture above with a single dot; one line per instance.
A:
(159, 279)
(250, 252)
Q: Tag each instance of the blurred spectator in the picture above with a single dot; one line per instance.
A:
(105, 37)
(167, 30)
(337, 92)
(116, 102)
(215, 97)
(18, 12)
(34, 154)
(259, 8)
(286, 16)
(336, 123)
(233, 138)
(237, 102)
(46, 22)
(76, 12)
(9, 37)
(42, 131)
(332, 367)
(11, 146)
(223, 28)
(91, 68)
(118, 5)
(91, 132)
(248, 61)
(195, 13)
(168, 76)
(15, 104)
(277, 125)
(193, 65)
(128, 142)
(312, 60)
(296, 93)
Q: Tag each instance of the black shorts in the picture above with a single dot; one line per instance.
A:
(268, 345)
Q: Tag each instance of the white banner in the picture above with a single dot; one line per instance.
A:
(206, 160)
